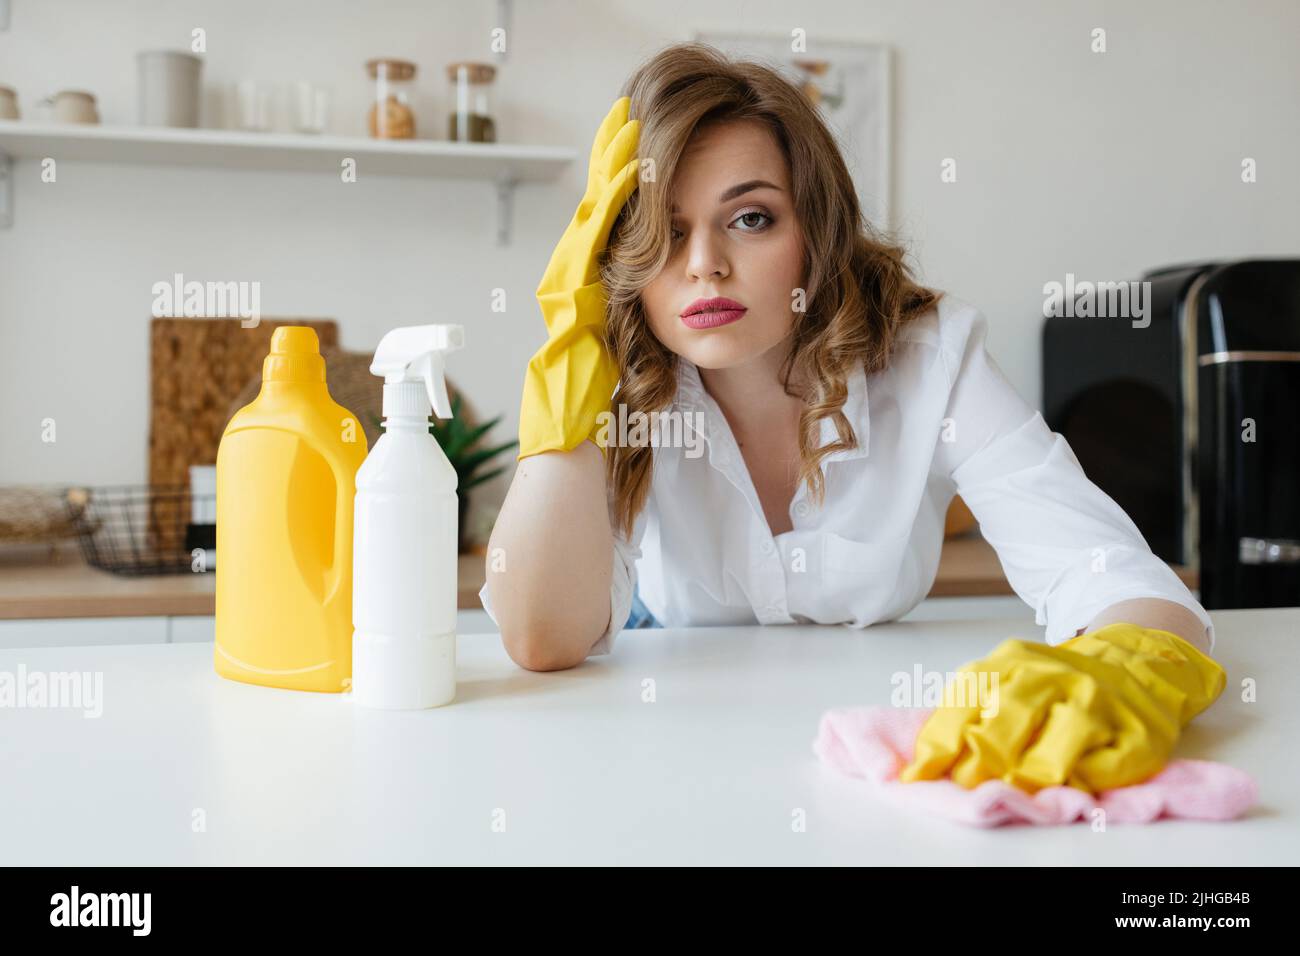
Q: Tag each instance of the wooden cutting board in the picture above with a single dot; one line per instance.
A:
(196, 368)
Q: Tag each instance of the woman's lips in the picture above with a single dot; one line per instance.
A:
(711, 313)
(710, 320)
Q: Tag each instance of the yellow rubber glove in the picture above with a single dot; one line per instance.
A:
(1100, 710)
(572, 377)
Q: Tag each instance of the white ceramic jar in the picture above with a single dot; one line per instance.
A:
(169, 85)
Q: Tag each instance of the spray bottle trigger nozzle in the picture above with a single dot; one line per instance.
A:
(430, 367)
(412, 353)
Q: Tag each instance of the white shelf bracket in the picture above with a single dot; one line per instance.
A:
(6, 191)
(505, 210)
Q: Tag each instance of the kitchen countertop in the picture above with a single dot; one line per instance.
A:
(68, 587)
(576, 767)
(65, 586)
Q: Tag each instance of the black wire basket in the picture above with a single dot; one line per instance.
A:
(143, 529)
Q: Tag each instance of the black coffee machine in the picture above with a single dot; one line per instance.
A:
(1189, 417)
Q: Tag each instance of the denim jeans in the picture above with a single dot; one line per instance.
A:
(640, 616)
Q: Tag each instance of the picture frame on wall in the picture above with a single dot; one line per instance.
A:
(851, 83)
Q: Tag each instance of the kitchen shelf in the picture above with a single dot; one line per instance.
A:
(505, 164)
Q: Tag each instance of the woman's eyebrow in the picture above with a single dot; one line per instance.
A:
(741, 188)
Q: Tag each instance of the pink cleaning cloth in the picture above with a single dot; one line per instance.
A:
(877, 742)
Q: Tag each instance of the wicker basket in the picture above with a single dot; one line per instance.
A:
(33, 515)
(140, 529)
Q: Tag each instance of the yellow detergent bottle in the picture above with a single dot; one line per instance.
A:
(286, 482)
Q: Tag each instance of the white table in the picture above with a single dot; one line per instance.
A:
(575, 764)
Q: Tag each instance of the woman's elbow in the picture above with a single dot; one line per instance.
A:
(541, 648)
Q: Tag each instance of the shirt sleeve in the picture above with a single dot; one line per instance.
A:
(1068, 550)
(622, 581)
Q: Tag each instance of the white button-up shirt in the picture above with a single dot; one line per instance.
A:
(942, 419)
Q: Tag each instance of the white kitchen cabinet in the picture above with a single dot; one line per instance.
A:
(82, 631)
(189, 629)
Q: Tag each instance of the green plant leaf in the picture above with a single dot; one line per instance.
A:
(473, 460)
(469, 438)
(459, 442)
(485, 477)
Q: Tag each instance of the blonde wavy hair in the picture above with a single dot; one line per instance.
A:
(858, 291)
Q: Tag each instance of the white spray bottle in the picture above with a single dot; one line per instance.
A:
(405, 535)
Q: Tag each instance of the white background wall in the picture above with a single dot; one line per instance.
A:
(1068, 161)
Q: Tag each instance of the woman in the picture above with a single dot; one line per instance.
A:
(718, 271)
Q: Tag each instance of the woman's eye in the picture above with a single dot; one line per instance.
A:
(753, 221)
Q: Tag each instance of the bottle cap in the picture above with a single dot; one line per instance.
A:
(295, 356)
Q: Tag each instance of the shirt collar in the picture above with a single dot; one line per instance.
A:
(691, 394)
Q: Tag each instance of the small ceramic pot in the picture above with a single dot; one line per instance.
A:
(73, 106)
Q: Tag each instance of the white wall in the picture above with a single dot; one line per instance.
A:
(1101, 165)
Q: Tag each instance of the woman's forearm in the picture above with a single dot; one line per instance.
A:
(550, 559)
(1156, 613)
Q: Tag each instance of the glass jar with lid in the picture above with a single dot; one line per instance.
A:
(391, 115)
(473, 95)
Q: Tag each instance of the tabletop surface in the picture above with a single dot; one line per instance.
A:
(685, 746)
